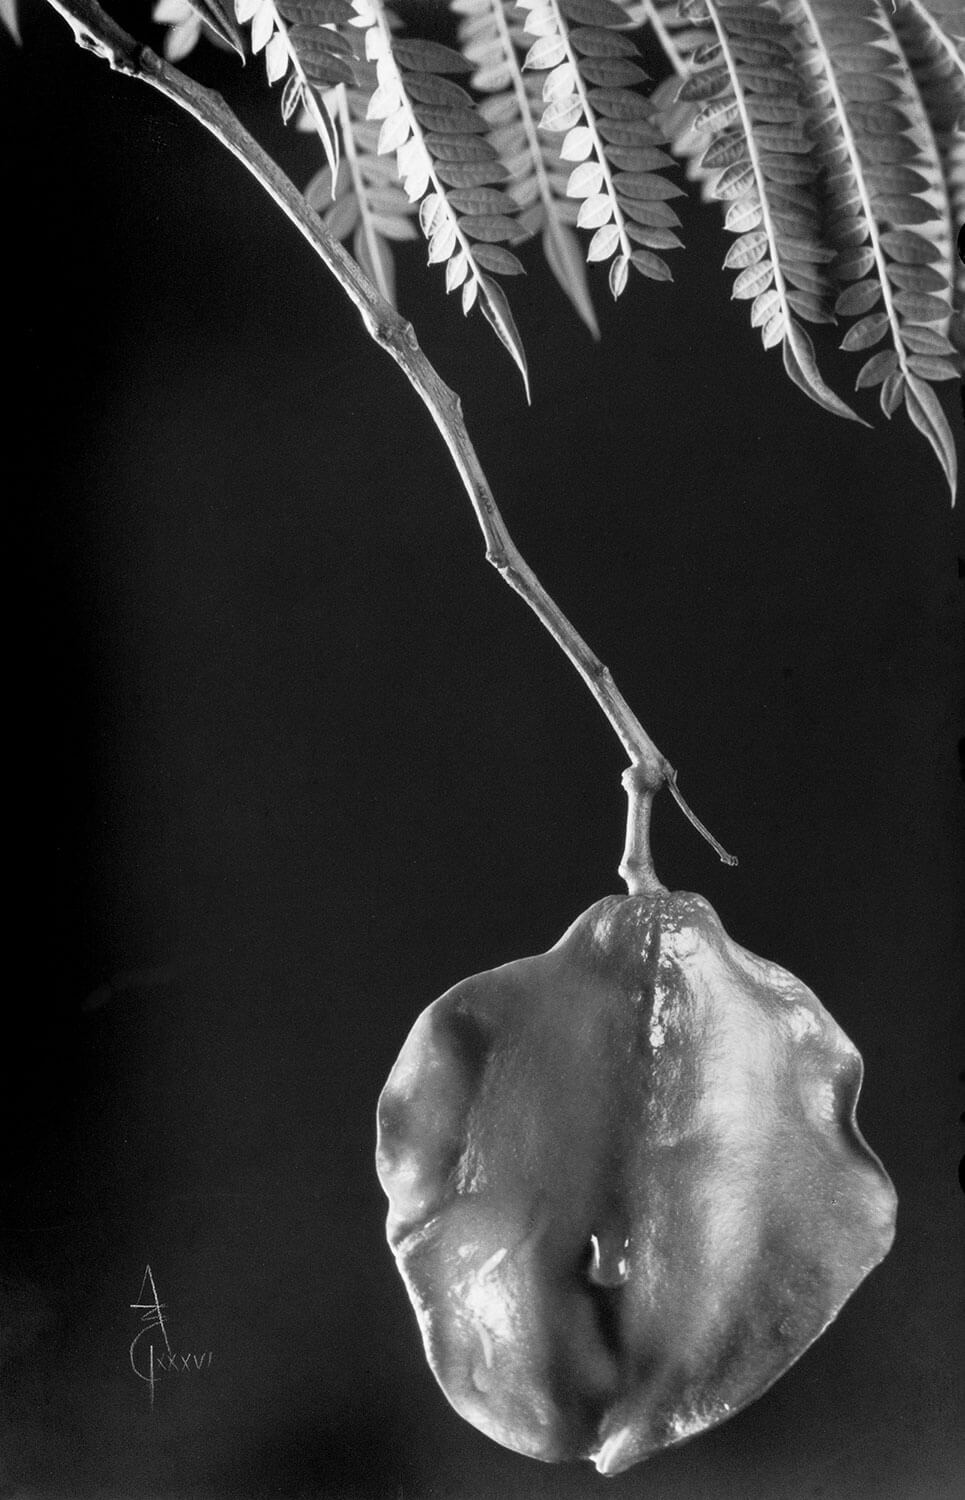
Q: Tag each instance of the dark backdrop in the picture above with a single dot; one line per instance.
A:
(291, 760)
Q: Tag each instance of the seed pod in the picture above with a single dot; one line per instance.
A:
(626, 1186)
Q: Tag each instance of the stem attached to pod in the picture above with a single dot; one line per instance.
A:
(99, 33)
(636, 866)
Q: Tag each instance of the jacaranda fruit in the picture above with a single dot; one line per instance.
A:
(626, 1186)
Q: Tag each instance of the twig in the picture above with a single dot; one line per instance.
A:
(99, 33)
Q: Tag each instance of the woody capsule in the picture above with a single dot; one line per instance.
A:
(626, 1186)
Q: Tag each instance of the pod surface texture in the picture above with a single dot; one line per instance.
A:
(626, 1185)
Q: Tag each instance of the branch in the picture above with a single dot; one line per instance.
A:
(97, 32)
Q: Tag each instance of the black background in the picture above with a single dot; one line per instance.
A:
(291, 760)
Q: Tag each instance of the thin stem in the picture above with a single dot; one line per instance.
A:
(636, 866)
(97, 32)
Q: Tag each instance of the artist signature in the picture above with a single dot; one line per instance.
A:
(156, 1357)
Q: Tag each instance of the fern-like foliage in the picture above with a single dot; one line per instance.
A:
(932, 35)
(364, 204)
(492, 38)
(609, 132)
(761, 158)
(308, 43)
(889, 207)
(447, 166)
(830, 132)
(315, 46)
